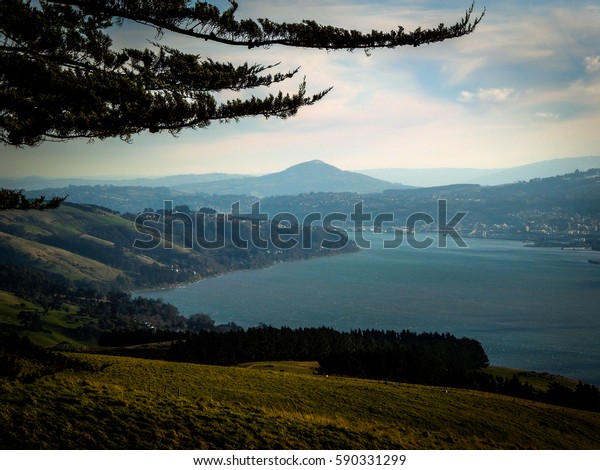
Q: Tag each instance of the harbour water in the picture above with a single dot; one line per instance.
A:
(531, 308)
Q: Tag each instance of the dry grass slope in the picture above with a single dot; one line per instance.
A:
(59, 261)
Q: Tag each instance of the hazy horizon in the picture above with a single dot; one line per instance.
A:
(437, 175)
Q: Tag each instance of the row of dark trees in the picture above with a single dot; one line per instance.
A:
(422, 358)
(584, 396)
(106, 309)
(425, 358)
(137, 320)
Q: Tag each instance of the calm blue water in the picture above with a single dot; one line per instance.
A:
(531, 308)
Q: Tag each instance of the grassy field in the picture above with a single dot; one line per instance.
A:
(538, 380)
(140, 404)
(57, 325)
(150, 404)
(296, 367)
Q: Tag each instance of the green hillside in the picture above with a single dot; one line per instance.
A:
(137, 404)
(56, 260)
(116, 402)
(91, 244)
(97, 245)
(56, 326)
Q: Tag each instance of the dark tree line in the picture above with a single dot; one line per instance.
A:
(427, 358)
(44, 288)
(584, 396)
(12, 199)
(422, 358)
(108, 309)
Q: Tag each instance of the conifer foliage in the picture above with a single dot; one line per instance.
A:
(61, 78)
(12, 199)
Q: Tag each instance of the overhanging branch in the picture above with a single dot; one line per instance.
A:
(204, 21)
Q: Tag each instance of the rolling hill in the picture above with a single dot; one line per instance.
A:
(308, 178)
(571, 198)
(315, 176)
(126, 403)
(427, 177)
(35, 182)
(97, 245)
(132, 199)
(312, 176)
(86, 243)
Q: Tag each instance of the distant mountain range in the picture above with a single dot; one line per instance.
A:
(96, 244)
(32, 183)
(428, 177)
(313, 176)
(561, 208)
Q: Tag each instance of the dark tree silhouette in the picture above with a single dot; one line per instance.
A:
(11, 199)
(61, 79)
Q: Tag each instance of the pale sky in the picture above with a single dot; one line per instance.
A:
(524, 87)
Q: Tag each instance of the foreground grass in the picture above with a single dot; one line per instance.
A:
(296, 367)
(136, 404)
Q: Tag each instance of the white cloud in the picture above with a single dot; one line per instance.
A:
(547, 115)
(581, 88)
(592, 64)
(466, 97)
(486, 94)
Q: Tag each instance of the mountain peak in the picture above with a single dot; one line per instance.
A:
(305, 177)
(312, 164)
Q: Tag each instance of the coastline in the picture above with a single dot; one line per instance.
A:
(350, 293)
(178, 285)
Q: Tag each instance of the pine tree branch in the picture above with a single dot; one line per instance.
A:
(60, 79)
(60, 88)
(204, 21)
(11, 199)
